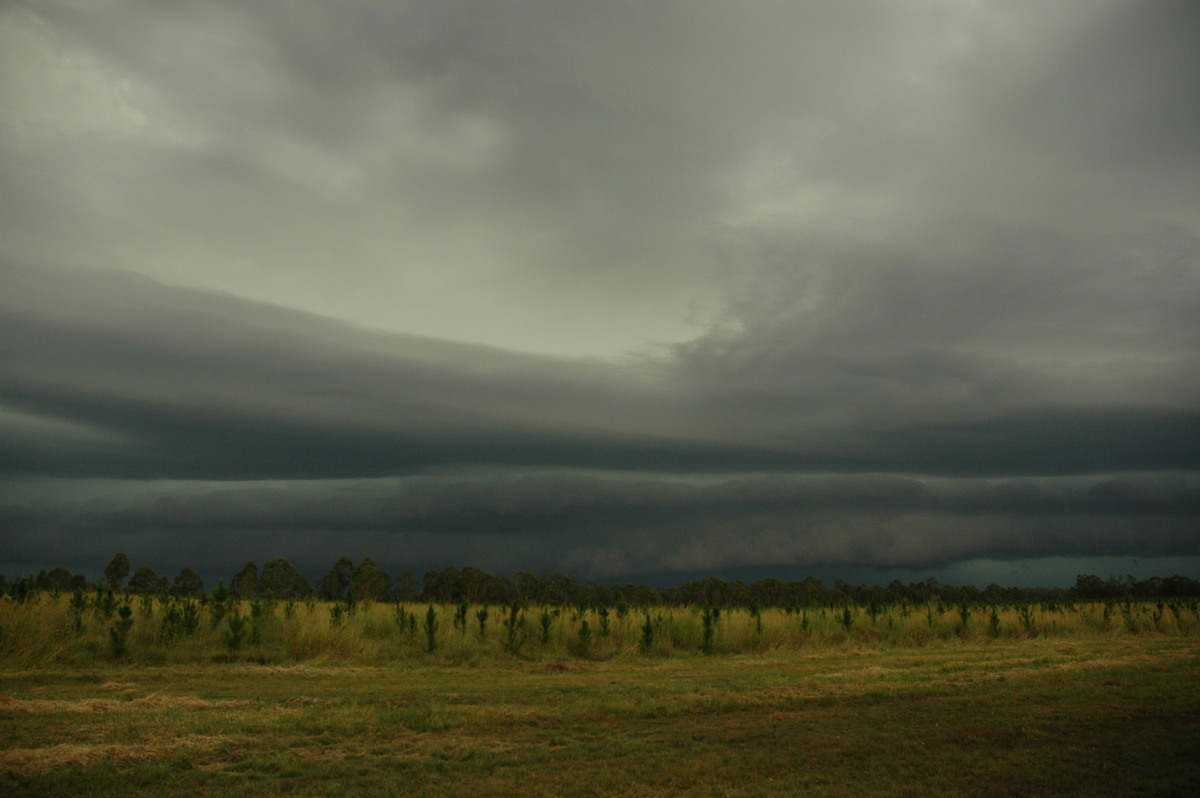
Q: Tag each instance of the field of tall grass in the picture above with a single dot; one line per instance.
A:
(90, 627)
(112, 695)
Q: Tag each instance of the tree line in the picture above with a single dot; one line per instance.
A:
(366, 581)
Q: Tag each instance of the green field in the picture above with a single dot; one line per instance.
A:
(899, 704)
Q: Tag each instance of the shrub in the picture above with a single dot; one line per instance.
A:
(105, 604)
(481, 615)
(708, 618)
(647, 634)
(994, 624)
(431, 626)
(219, 604)
(514, 630)
(118, 633)
(78, 604)
(260, 612)
(584, 643)
(406, 621)
(236, 631)
(1027, 620)
(460, 617)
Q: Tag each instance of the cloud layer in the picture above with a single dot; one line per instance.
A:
(615, 289)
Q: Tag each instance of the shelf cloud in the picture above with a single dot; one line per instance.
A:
(615, 289)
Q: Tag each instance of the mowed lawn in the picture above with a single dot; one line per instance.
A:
(1103, 716)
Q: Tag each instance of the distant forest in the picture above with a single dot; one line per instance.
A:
(366, 581)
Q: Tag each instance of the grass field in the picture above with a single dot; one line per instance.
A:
(1099, 714)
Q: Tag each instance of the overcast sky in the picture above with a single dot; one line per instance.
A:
(622, 289)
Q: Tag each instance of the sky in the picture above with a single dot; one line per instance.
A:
(618, 289)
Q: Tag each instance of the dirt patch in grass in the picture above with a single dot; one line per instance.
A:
(84, 755)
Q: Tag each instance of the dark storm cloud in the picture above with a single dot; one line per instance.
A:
(608, 524)
(793, 262)
(112, 375)
(167, 382)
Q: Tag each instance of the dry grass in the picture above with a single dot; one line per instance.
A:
(84, 755)
(9, 704)
(894, 707)
(42, 632)
(1022, 717)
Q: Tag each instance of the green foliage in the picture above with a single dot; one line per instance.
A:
(1130, 619)
(367, 634)
(189, 615)
(994, 624)
(847, 619)
(260, 613)
(481, 615)
(514, 630)
(406, 621)
(431, 627)
(236, 631)
(116, 570)
(78, 605)
(369, 583)
(145, 582)
(219, 604)
(459, 621)
(1027, 620)
(647, 641)
(333, 585)
(709, 616)
(118, 633)
(188, 583)
(281, 579)
(1156, 616)
(622, 609)
(245, 581)
(105, 603)
(583, 644)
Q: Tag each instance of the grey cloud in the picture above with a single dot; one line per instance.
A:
(195, 384)
(188, 384)
(548, 501)
(572, 154)
(610, 524)
(917, 542)
(847, 332)
(922, 239)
